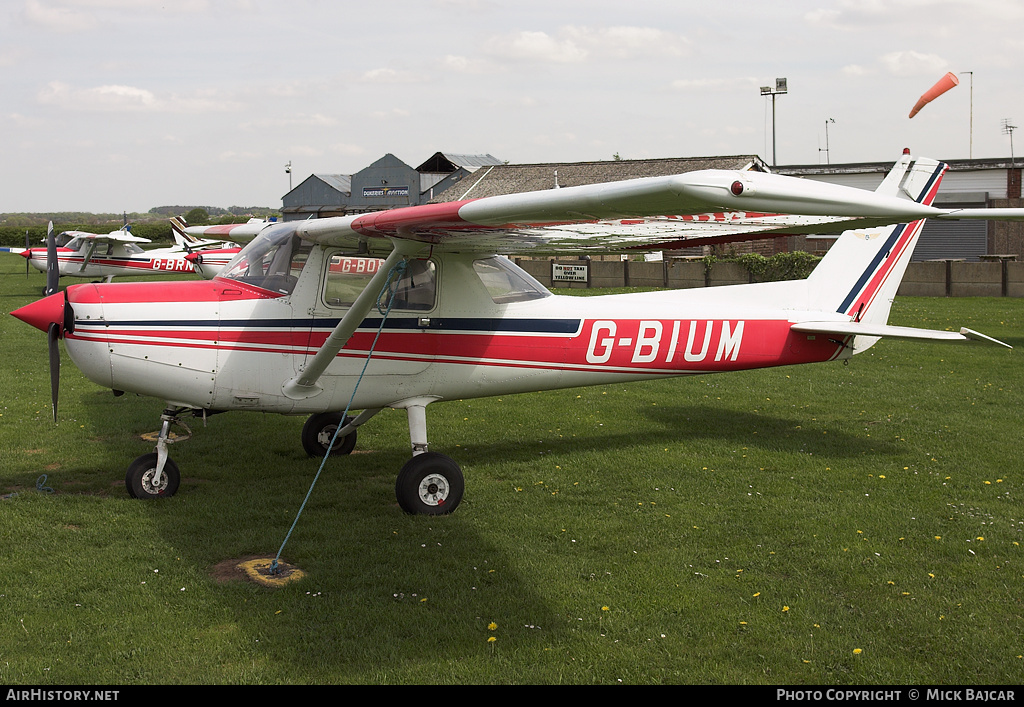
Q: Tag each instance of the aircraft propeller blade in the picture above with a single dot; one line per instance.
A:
(52, 273)
(52, 335)
(28, 247)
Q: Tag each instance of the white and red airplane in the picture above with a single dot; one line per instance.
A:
(307, 320)
(108, 255)
(119, 253)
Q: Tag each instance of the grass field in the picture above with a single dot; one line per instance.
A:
(826, 524)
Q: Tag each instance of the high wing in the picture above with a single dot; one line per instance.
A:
(235, 232)
(119, 236)
(654, 213)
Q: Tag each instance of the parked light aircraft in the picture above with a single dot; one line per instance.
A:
(118, 253)
(307, 319)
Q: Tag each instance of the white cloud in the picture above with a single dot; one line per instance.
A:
(575, 44)
(911, 63)
(58, 19)
(100, 98)
(118, 98)
(716, 85)
(626, 42)
(537, 46)
(387, 75)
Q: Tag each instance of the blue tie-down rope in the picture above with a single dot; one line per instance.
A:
(39, 487)
(392, 280)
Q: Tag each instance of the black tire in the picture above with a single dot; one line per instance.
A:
(319, 430)
(430, 484)
(138, 479)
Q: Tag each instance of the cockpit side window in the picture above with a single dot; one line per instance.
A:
(347, 276)
(507, 283)
(272, 262)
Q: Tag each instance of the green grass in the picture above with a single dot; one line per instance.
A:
(752, 528)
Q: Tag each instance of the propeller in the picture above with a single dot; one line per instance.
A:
(28, 250)
(52, 273)
(54, 315)
(52, 335)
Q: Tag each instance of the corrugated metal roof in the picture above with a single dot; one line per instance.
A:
(472, 162)
(447, 162)
(341, 182)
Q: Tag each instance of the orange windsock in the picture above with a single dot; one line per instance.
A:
(944, 84)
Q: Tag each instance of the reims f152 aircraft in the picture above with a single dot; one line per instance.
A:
(118, 253)
(307, 319)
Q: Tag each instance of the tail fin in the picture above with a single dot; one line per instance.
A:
(861, 272)
(178, 231)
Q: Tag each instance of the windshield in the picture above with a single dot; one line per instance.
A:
(272, 260)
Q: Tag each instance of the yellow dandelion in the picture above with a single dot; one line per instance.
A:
(604, 608)
(491, 639)
(856, 651)
(785, 608)
(492, 626)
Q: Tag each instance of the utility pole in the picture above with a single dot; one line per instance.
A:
(780, 89)
(971, 152)
(1008, 130)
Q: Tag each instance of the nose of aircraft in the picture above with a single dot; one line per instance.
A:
(42, 313)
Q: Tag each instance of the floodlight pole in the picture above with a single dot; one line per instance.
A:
(828, 158)
(780, 88)
(971, 144)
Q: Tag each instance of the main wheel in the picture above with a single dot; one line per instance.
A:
(430, 484)
(319, 430)
(139, 479)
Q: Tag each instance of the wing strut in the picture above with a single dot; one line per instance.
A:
(304, 384)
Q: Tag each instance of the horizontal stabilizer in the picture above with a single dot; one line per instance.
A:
(852, 328)
(1007, 214)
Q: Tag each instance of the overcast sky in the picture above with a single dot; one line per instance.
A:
(123, 105)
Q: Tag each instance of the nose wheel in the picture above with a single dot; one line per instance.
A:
(155, 475)
(143, 482)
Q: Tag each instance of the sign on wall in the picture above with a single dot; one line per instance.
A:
(385, 191)
(568, 273)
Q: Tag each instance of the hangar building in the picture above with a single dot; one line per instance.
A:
(386, 184)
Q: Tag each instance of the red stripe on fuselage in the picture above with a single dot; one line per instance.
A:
(664, 346)
(142, 293)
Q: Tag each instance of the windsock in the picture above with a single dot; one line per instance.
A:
(944, 84)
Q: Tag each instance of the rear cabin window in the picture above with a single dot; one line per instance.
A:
(349, 275)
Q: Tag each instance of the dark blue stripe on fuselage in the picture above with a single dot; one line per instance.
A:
(514, 326)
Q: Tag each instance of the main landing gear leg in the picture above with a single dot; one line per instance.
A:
(155, 475)
(429, 483)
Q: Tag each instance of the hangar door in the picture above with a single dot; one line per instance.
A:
(946, 240)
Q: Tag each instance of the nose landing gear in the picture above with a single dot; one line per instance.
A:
(155, 475)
